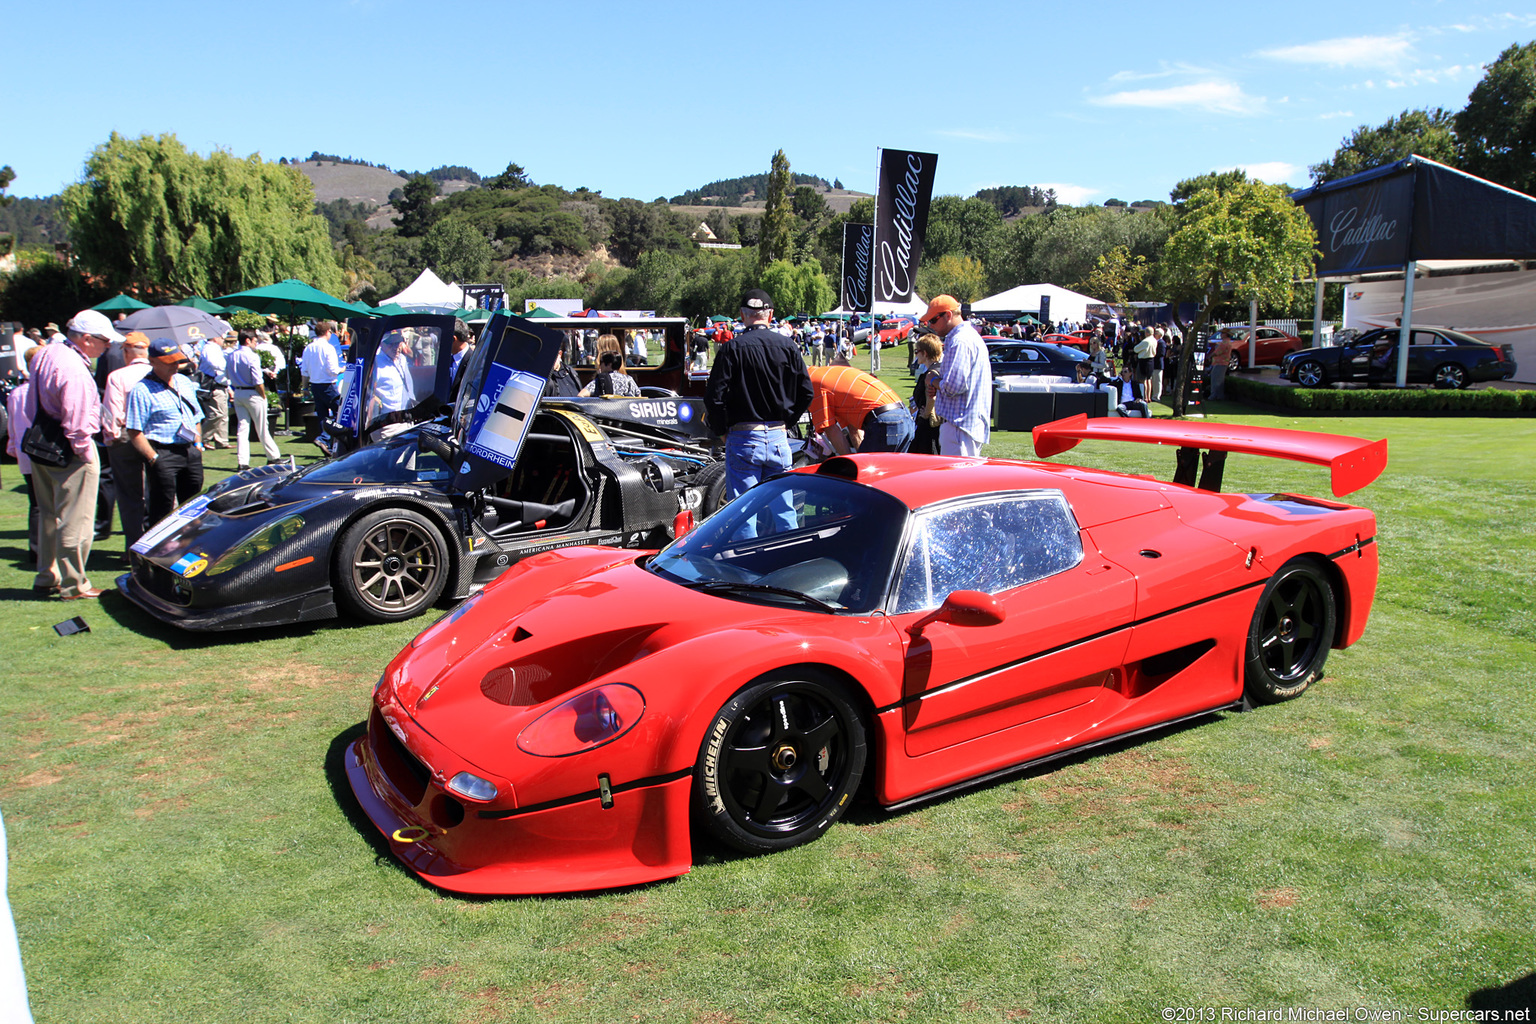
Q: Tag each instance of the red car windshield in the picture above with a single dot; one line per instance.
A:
(826, 540)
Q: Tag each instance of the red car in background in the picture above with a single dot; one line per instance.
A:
(1274, 345)
(901, 625)
(893, 332)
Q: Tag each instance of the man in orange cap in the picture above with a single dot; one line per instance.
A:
(856, 410)
(963, 392)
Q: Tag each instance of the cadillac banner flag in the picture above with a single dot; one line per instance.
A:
(858, 262)
(901, 216)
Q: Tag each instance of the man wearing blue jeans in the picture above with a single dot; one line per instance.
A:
(757, 385)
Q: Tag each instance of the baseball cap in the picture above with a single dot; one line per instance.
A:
(92, 321)
(941, 304)
(136, 338)
(166, 352)
(757, 299)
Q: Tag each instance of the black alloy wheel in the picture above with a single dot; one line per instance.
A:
(1450, 375)
(390, 565)
(780, 762)
(1291, 633)
(1310, 374)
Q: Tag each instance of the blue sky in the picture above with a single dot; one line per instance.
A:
(1095, 99)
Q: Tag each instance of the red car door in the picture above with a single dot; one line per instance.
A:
(966, 690)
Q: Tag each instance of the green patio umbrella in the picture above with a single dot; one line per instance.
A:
(1027, 318)
(719, 319)
(295, 300)
(473, 316)
(198, 302)
(390, 309)
(540, 313)
(121, 304)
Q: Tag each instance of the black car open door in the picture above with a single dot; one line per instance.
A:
(499, 390)
(400, 371)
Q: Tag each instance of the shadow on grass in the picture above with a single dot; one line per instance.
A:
(1519, 994)
(866, 812)
(135, 619)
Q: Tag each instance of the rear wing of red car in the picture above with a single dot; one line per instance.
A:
(1352, 462)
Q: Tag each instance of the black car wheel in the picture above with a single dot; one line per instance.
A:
(1234, 363)
(1291, 633)
(390, 565)
(711, 485)
(1450, 375)
(780, 762)
(1310, 374)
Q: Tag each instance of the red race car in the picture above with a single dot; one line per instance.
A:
(903, 625)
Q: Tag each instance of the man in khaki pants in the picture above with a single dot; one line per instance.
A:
(64, 388)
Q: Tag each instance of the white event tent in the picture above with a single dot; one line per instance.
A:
(429, 291)
(1065, 303)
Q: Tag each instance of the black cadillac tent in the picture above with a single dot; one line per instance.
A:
(1391, 217)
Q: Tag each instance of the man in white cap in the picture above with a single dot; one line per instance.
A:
(64, 390)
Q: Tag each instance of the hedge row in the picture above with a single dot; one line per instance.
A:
(1407, 401)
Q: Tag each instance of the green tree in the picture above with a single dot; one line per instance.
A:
(1426, 132)
(153, 217)
(1496, 130)
(1118, 276)
(776, 239)
(414, 207)
(952, 274)
(963, 227)
(514, 177)
(1242, 237)
(809, 204)
(797, 289)
(457, 251)
(6, 177)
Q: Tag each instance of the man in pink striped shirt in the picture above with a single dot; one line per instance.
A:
(64, 388)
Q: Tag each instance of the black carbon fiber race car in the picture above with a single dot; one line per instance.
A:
(389, 529)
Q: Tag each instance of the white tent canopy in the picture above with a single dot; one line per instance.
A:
(429, 290)
(1065, 303)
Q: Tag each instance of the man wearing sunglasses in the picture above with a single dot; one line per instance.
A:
(963, 392)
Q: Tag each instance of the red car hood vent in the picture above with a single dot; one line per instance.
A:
(544, 672)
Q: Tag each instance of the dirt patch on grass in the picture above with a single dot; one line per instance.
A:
(1162, 792)
(41, 777)
(487, 1006)
(627, 922)
(1278, 899)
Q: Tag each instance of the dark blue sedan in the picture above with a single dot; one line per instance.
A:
(1444, 358)
(1032, 358)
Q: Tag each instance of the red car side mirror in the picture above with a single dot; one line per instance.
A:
(962, 608)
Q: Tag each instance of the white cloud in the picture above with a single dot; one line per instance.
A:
(1214, 96)
(1071, 195)
(1274, 171)
(1335, 113)
(1347, 52)
(1165, 71)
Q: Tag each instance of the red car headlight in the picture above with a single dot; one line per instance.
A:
(472, 786)
(585, 721)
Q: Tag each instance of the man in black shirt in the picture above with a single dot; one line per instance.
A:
(757, 385)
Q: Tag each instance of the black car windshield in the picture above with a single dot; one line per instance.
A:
(394, 462)
(829, 540)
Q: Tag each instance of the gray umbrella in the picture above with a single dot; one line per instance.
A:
(183, 323)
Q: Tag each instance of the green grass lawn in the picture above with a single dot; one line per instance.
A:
(184, 846)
